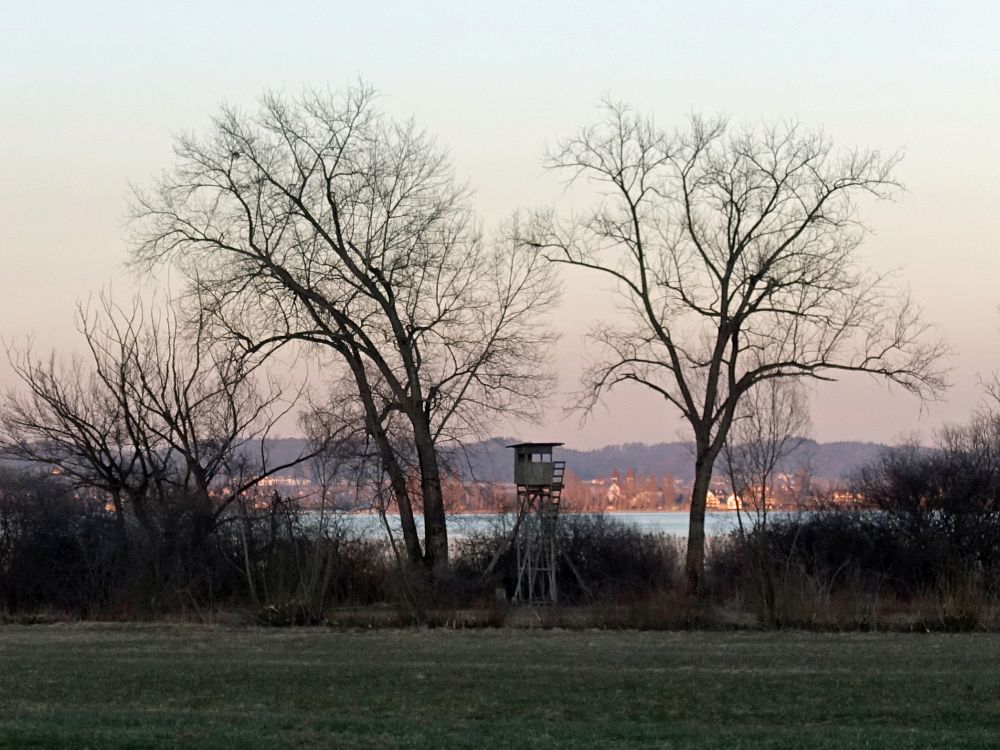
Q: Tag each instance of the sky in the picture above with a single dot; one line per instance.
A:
(93, 93)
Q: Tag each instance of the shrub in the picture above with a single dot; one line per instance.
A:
(600, 559)
(64, 553)
(840, 567)
(56, 550)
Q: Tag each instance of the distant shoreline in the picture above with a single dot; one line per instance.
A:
(683, 511)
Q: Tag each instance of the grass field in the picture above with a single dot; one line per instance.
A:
(106, 686)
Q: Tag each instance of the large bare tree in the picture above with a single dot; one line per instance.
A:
(319, 220)
(734, 251)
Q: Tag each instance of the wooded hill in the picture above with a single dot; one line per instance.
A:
(491, 460)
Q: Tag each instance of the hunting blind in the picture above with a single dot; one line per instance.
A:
(539, 481)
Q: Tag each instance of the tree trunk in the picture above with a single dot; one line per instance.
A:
(401, 494)
(202, 522)
(769, 590)
(695, 563)
(435, 525)
(202, 508)
(390, 464)
(141, 513)
(120, 523)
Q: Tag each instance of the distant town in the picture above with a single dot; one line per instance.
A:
(815, 475)
(652, 478)
(618, 492)
(480, 483)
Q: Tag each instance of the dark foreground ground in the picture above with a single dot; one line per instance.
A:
(109, 686)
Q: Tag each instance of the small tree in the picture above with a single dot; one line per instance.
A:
(734, 253)
(159, 419)
(955, 483)
(938, 506)
(769, 426)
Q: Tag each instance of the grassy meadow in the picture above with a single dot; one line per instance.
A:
(136, 686)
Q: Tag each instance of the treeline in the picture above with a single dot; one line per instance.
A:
(267, 560)
(922, 553)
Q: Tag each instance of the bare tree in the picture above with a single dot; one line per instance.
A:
(66, 421)
(321, 221)
(770, 425)
(734, 253)
(157, 416)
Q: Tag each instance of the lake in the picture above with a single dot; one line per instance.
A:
(465, 524)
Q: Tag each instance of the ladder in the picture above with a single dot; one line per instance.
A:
(538, 544)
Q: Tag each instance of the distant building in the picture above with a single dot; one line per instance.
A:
(613, 496)
(647, 494)
(669, 492)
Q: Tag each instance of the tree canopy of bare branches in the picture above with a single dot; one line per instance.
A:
(735, 255)
(157, 414)
(771, 423)
(321, 221)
